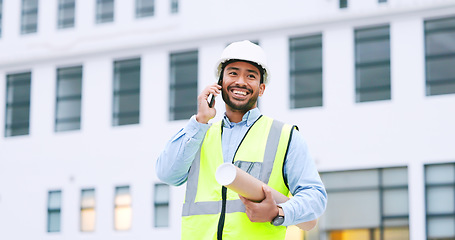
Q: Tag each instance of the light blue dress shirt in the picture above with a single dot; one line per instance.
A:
(309, 196)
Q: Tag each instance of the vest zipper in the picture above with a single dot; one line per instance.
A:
(224, 189)
(223, 213)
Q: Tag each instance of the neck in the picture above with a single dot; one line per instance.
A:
(235, 115)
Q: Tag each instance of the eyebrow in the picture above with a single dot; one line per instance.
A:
(248, 70)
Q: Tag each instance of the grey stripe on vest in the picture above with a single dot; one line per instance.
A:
(191, 184)
(213, 207)
(270, 150)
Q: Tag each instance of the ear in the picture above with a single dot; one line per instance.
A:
(261, 89)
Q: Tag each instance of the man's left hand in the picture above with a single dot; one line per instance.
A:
(264, 211)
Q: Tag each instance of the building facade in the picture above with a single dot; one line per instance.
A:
(91, 91)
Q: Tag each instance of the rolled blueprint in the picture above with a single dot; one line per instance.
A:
(250, 187)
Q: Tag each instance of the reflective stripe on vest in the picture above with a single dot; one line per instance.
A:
(265, 142)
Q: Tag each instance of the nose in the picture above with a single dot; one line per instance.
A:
(241, 80)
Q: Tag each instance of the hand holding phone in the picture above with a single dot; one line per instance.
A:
(211, 97)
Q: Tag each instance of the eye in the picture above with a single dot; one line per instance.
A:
(252, 76)
(232, 73)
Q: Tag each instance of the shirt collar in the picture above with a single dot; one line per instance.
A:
(249, 117)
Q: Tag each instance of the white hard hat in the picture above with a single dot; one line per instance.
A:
(246, 51)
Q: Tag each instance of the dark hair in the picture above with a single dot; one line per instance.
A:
(259, 67)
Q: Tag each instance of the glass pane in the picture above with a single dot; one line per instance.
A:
(440, 43)
(350, 234)
(307, 102)
(356, 209)
(439, 23)
(375, 32)
(126, 120)
(395, 233)
(122, 196)
(18, 115)
(396, 202)
(67, 126)
(126, 103)
(88, 218)
(88, 198)
(437, 88)
(373, 51)
(307, 41)
(440, 200)
(394, 177)
(123, 217)
(441, 173)
(307, 83)
(69, 109)
(161, 193)
(440, 69)
(53, 222)
(376, 76)
(144, 8)
(54, 201)
(396, 222)
(19, 92)
(304, 59)
(69, 86)
(351, 179)
(162, 216)
(443, 228)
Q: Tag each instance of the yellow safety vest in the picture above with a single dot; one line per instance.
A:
(212, 211)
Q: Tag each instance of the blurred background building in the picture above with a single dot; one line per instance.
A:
(91, 90)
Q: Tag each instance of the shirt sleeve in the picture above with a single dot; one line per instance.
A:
(309, 195)
(175, 161)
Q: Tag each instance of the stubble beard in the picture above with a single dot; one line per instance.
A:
(245, 107)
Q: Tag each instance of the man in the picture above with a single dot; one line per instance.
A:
(267, 149)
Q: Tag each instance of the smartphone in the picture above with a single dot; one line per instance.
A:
(211, 97)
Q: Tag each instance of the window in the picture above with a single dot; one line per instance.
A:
(29, 16)
(306, 71)
(104, 11)
(174, 6)
(382, 1)
(1, 15)
(68, 102)
(183, 85)
(66, 13)
(127, 83)
(17, 115)
(122, 208)
(372, 64)
(88, 215)
(440, 56)
(366, 204)
(440, 201)
(54, 205)
(145, 8)
(343, 3)
(161, 205)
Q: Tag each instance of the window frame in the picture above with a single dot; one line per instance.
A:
(60, 99)
(359, 66)
(118, 93)
(62, 7)
(177, 110)
(429, 57)
(26, 13)
(295, 97)
(14, 124)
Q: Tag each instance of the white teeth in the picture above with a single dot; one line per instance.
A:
(239, 92)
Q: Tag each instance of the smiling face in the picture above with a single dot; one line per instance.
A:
(241, 86)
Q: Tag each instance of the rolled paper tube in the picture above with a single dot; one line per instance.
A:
(250, 187)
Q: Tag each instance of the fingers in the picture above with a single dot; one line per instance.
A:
(205, 113)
